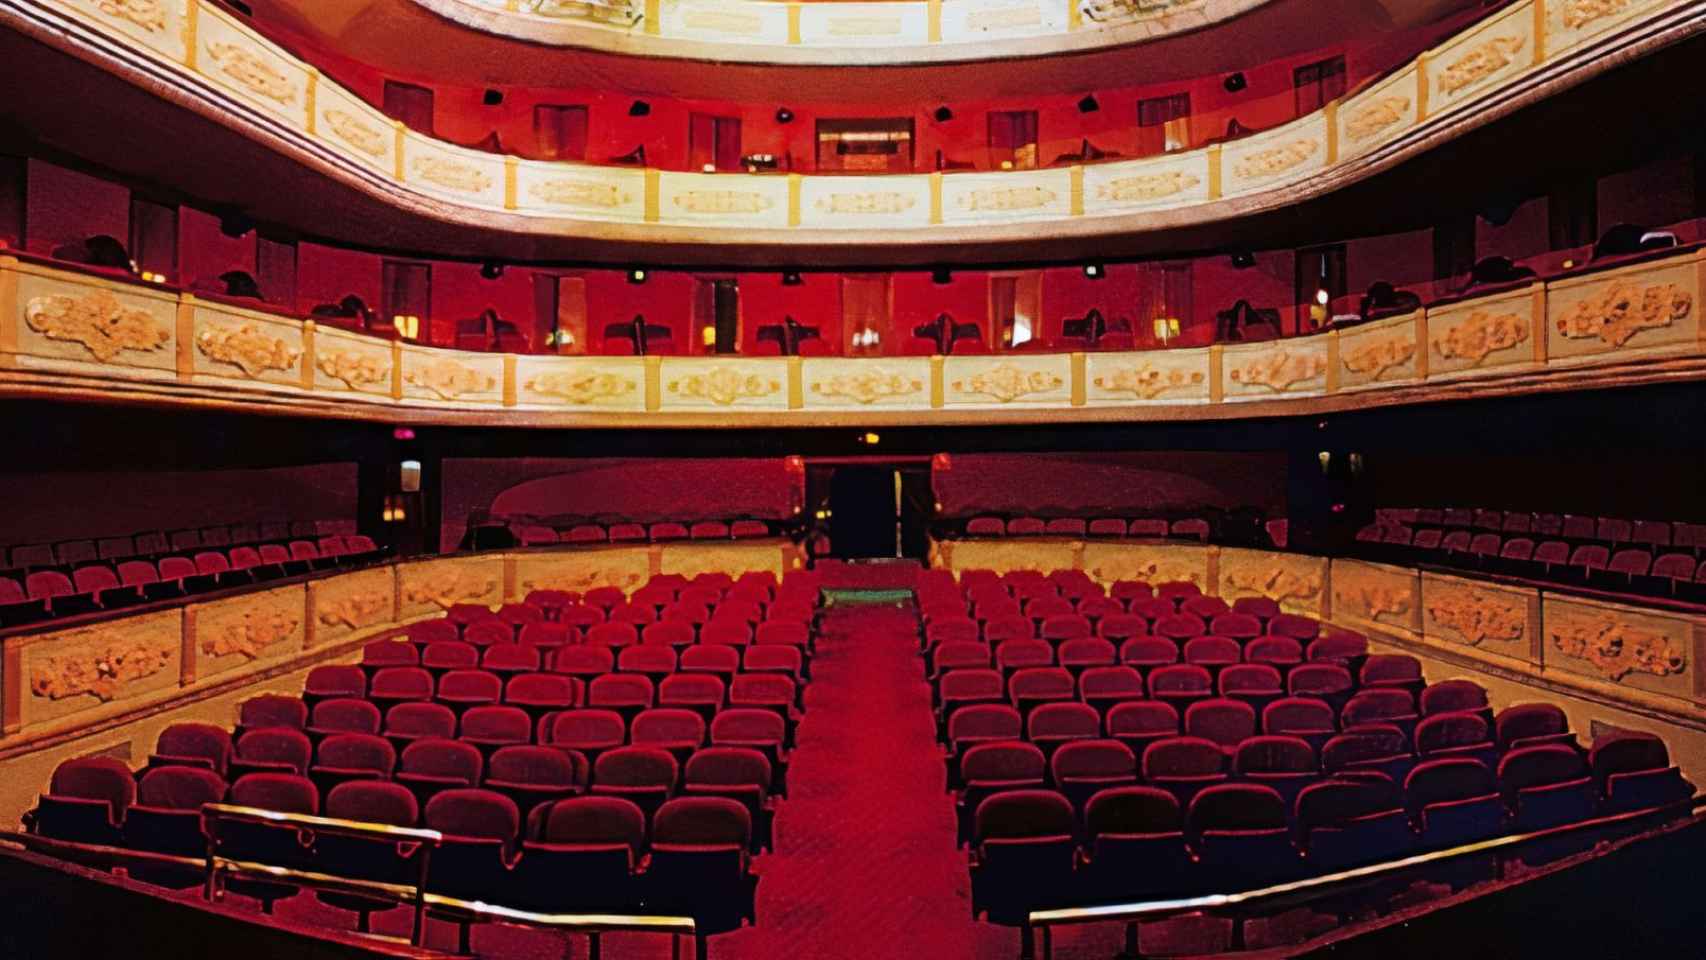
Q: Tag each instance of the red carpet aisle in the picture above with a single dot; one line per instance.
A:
(865, 865)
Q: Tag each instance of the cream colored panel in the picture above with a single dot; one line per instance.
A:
(582, 569)
(721, 383)
(1491, 617)
(1170, 180)
(1644, 649)
(433, 586)
(1380, 353)
(723, 199)
(1275, 157)
(1263, 371)
(249, 631)
(239, 60)
(1297, 581)
(1570, 23)
(592, 383)
(1147, 377)
(466, 176)
(347, 124)
(968, 21)
(1006, 196)
(348, 362)
(90, 323)
(88, 672)
(353, 603)
(1378, 596)
(1481, 58)
(1014, 380)
(1483, 333)
(234, 344)
(452, 376)
(156, 25)
(863, 24)
(1107, 563)
(1629, 311)
(691, 559)
(582, 191)
(845, 203)
(727, 22)
(1005, 555)
(1378, 115)
(853, 384)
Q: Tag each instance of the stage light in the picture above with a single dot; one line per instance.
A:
(637, 275)
(639, 108)
(784, 115)
(1243, 260)
(943, 114)
(492, 98)
(491, 270)
(1088, 104)
(1095, 271)
(941, 275)
(1234, 82)
(791, 278)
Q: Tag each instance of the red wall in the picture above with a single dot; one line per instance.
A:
(1108, 484)
(328, 274)
(65, 206)
(204, 252)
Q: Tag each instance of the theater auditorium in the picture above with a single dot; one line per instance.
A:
(831, 479)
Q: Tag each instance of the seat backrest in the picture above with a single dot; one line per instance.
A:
(272, 710)
(1142, 717)
(667, 725)
(748, 726)
(93, 579)
(636, 767)
(1524, 720)
(1056, 720)
(1274, 754)
(496, 723)
(1448, 696)
(180, 788)
(438, 757)
(357, 751)
(1222, 720)
(596, 820)
(347, 714)
(1627, 751)
(279, 792)
(474, 813)
(46, 584)
(1250, 678)
(728, 767)
(402, 683)
(1023, 814)
(463, 685)
(373, 801)
(202, 741)
(985, 721)
(534, 766)
(1132, 811)
(1336, 802)
(1539, 766)
(1103, 759)
(1181, 678)
(420, 719)
(702, 822)
(96, 778)
(711, 659)
(1446, 731)
(276, 745)
(1447, 779)
(589, 727)
(1182, 757)
(1378, 705)
(1236, 807)
(1298, 715)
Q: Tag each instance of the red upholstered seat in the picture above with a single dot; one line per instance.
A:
(1239, 831)
(406, 723)
(1224, 721)
(1135, 845)
(1455, 801)
(272, 710)
(646, 776)
(1024, 845)
(344, 715)
(343, 757)
(443, 655)
(1183, 765)
(86, 801)
(196, 745)
(435, 765)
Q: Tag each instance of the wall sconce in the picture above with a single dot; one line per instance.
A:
(708, 168)
(409, 476)
(871, 439)
(1325, 458)
(708, 336)
(1166, 328)
(865, 338)
(408, 326)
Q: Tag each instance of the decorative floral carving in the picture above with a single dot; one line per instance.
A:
(1275, 583)
(98, 321)
(150, 15)
(1149, 186)
(722, 201)
(451, 174)
(581, 580)
(1618, 649)
(351, 130)
(589, 387)
(1109, 11)
(1005, 199)
(448, 585)
(1579, 13)
(868, 386)
(355, 609)
(1377, 600)
(1375, 116)
(449, 379)
(1275, 160)
(1279, 370)
(579, 193)
(1147, 381)
(1149, 570)
(1622, 310)
(1379, 356)
(106, 662)
(872, 202)
(247, 68)
(246, 347)
(1007, 383)
(1481, 335)
(1478, 618)
(1479, 62)
(724, 386)
(357, 368)
(251, 634)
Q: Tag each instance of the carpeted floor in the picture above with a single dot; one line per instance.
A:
(865, 862)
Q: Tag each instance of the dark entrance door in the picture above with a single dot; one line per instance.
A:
(862, 512)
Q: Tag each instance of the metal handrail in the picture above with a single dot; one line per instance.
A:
(1149, 909)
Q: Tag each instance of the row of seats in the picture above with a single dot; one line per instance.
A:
(96, 586)
(538, 534)
(155, 543)
(1193, 528)
(1612, 531)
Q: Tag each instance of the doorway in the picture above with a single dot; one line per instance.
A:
(716, 315)
(878, 510)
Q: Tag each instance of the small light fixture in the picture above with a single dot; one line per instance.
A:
(708, 168)
(1095, 271)
(409, 476)
(1234, 82)
(1166, 328)
(791, 278)
(639, 108)
(871, 439)
(784, 115)
(1322, 297)
(408, 325)
(491, 270)
(1326, 459)
(492, 97)
(637, 275)
(943, 114)
(1088, 104)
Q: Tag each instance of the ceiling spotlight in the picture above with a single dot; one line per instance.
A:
(784, 115)
(492, 98)
(1234, 82)
(639, 108)
(1095, 271)
(1088, 104)
(791, 278)
(941, 275)
(491, 270)
(943, 114)
(1243, 260)
(637, 275)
